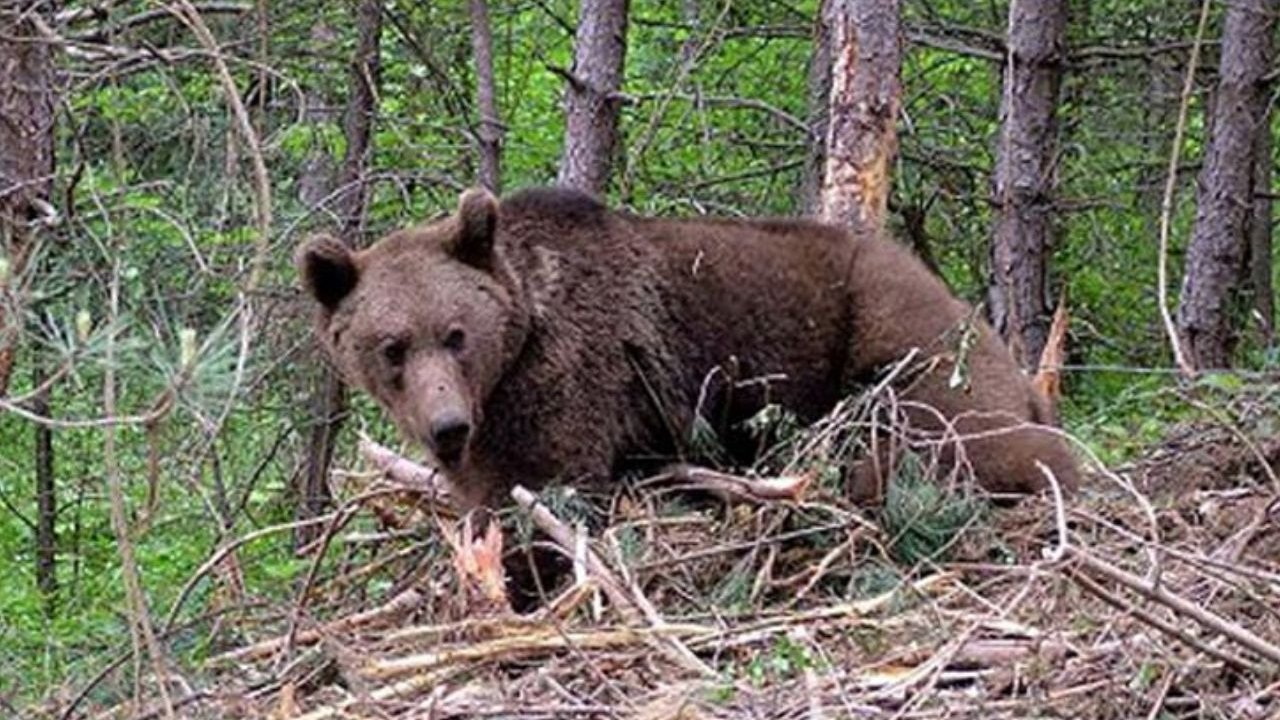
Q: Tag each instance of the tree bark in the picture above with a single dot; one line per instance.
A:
(1025, 176)
(319, 169)
(866, 95)
(819, 102)
(46, 500)
(592, 105)
(329, 401)
(1260, 233)
(1224, 188)
(490, 129)
(27, 84)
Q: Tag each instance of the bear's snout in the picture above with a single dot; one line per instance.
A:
(449, 435)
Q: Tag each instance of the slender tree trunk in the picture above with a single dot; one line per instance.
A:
(819, 104)
(490, 130)
(319, 170)
(592, 105)
(1024, 176)
(46, 500)
(690, 15)
(1260, 228)
(866, 95)
(26, 162)
(1224, 188)
(366, 75)
(330, 399)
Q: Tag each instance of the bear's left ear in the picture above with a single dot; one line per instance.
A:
(477, 221)
(328, 269)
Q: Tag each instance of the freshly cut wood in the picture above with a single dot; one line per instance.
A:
(478, 562)
(1048, 377)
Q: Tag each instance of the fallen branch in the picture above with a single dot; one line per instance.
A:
(403, 688)
(1178, 604)
(609, 583)
(398, 606)
(856, 610)
(541, 641)
(1143, 616)
(482, 628)
(406, 474)
(787, 488)
(566, 538)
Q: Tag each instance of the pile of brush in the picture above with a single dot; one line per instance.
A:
(703, 594)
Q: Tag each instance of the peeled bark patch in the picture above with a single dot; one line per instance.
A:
(866, 95)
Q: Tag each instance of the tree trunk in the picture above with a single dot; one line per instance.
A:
(819, 101)
(865, 50)
(1024, 176)
(490, 130)
(592, 104)
(330, 399)
(1224, 188)
(1260, 234)
(866, 95)
(26, 162)
(319, 169)
(690, 15)
(46, 500)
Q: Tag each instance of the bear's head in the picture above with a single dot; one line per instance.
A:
(426, 320)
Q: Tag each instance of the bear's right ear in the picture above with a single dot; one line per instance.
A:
(328, 269)
(477, 221)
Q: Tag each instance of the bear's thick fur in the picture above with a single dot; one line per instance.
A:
(545, 338)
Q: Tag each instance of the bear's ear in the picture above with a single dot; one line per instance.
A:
(328, 269)
(477, 221)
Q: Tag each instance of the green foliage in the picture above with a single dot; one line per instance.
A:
(921, 517)
(785, 659)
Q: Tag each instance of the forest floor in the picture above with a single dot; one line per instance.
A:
(1155, 593)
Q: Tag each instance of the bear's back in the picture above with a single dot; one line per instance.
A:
(764, 301)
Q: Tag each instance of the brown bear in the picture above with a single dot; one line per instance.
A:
(545, 338)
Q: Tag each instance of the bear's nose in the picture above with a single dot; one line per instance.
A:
(449, 436)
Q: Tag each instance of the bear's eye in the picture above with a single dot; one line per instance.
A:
(394, 352)
(455, 340)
